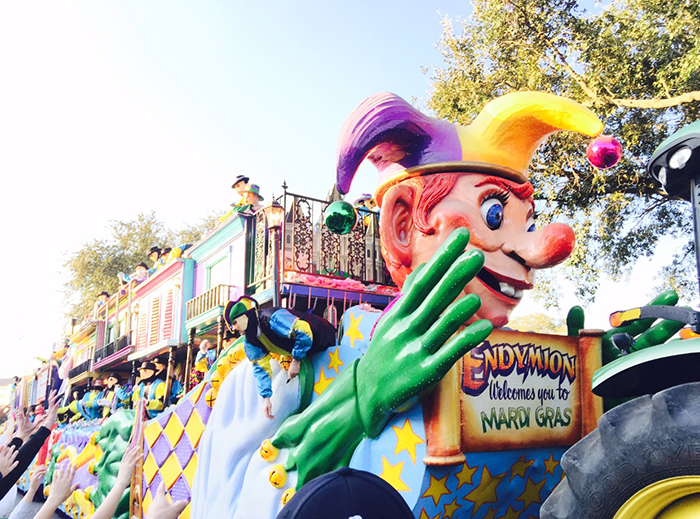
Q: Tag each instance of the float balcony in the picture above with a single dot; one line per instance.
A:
(315, 262)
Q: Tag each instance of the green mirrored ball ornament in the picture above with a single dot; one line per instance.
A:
(340, 217)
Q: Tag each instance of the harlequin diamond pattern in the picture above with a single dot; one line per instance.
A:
(171, 471)
(173, 431)
(152, 433)
(195, 427)
(150, 468)
(170, 444)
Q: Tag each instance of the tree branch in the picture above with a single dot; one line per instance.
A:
(688, 97)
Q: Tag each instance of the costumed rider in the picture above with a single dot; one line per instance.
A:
(161, 363)
(277, 331)
(114, 396)
(239, 185)
(150, 388)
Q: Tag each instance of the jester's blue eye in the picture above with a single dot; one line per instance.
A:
(531, 228)
(492, 212)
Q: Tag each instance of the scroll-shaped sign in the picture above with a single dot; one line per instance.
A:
(516, 390)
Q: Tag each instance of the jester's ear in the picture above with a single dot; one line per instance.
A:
(389, 132)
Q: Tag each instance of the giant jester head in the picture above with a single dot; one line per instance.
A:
(435, 176)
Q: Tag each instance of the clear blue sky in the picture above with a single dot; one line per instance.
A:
(108, 109)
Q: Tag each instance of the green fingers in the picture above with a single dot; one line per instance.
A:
(429, 276)
(450, 321)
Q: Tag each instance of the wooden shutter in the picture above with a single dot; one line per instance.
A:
(142, 330)
(168, 316)
(155, 321)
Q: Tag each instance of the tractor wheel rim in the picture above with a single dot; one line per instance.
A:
(673, 498)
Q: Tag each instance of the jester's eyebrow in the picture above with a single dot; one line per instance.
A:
(522, 191)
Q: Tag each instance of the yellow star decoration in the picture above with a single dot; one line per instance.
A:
(450, 509)
(520, 467)
(354, 330)
(392, 474)
(407, 440)
(531, 494)
(550, 465)
(424, 515)
(335, 362)
(486, 491)
(490, 514)
(323, 383)
(464, 476)
(437, 488)
(510, 514)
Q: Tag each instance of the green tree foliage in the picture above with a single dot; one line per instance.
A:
(538, 323)
(94, 267)
(636, 63)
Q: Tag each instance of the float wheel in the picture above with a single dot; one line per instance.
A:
(641, 462)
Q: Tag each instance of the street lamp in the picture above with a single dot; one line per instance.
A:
(274, 214)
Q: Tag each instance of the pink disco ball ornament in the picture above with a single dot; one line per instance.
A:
(604, 152)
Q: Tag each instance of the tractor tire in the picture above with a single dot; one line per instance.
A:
(641, 442)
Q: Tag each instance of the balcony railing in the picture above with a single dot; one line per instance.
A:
(111, 348)
(309, 247)
(79, 369)
(217, 296)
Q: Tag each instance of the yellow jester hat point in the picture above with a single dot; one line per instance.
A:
(403, 143)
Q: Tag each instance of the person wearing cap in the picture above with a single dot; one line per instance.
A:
(102, 299)
(149, 388)
(240, 184)
(139, 275)
(161, 364)
(154, 254)
(280, 331)
(113, 396)
(251, 199)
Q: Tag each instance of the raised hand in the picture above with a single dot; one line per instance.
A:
(644, 331)
(25, 427)
(52, 411)
(411, 350)
(162, 508)
(34, 481)
(62, 484)
(126, 467)
(8, 455)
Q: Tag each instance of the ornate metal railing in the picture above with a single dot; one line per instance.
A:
(217, 296)
(309, 247)
(111, 348)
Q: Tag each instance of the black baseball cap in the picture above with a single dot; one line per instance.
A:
(345, 493)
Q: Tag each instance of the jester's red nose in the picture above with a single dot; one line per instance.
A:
(554, 243)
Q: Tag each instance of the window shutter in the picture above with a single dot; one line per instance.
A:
(168, 316)
(155, 321)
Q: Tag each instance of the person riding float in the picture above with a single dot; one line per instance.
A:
(277, 331)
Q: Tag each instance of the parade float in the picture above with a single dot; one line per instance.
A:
(423, 386)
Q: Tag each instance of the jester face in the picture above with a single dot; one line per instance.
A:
(500, 216)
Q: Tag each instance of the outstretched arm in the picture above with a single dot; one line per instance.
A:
(414, 345)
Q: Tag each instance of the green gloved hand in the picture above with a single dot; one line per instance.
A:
(642, 330)
(409, 353)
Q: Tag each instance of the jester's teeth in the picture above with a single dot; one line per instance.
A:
(507, 289)
(518, 294)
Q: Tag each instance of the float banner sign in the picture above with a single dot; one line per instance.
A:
(527, 390)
